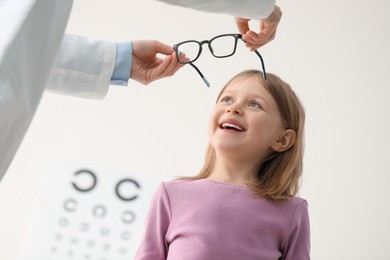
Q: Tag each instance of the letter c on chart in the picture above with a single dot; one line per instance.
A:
(126, 197)
(92, 183)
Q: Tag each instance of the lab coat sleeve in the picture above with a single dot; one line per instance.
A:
(252, 9)
(31, 31)
(83, 67)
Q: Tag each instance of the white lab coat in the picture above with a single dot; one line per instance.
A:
(31, 35)
(31, 39)
(252, 9)
(33, 30)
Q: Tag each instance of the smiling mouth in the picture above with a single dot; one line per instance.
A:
(231, 126)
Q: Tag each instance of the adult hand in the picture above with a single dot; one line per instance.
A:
(147, 67)
(267, 29)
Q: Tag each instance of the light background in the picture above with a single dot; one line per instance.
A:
(335, 55)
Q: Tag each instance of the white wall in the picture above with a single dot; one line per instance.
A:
(334, 53)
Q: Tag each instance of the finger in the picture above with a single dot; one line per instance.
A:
(270, 37)
(167, 68)
(172, 67)
(267, 32)
(158, 71)
(183, 57)
(256, 43)
(261, 26)
(252, 37)
(253, 47)
(163, 48)
(252, 34)
(265, 36)
(242, 24)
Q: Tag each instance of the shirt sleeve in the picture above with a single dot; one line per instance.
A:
(298, 243)
(123, 61)
(153, 242)
(251, 9)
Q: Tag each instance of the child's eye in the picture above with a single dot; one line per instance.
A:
(255, 104)
(226, 99)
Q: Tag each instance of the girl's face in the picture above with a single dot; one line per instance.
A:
(245, 122)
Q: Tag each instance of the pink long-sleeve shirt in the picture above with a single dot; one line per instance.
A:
(209, 220)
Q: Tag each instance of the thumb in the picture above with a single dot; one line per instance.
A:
(242, 24)
(163, 48)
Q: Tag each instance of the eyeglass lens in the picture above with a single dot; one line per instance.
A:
(223, 46)
(191, 49)
(220, 47)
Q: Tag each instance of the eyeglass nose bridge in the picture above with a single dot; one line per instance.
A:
(200, 50)
(201, 46)
(204, 42)
(208, 42)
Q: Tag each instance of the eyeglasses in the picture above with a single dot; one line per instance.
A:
(221, 46)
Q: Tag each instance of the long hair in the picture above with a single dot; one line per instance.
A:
(280, 174)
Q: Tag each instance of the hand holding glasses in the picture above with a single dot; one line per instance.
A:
(221, 46)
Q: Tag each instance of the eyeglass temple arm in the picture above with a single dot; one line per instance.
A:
(200, 74)
(261, 59)
(262, 64)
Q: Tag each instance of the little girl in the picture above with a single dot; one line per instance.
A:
(242, 204)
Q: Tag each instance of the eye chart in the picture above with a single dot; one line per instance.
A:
(88, 213)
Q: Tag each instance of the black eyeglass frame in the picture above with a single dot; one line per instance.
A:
(191, 62)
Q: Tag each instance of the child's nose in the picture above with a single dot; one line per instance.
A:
(235, 108)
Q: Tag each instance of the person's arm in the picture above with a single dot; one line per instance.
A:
(86, 67)
(250, 9)
(83, 67)
(31, 32)
(297, 245)
(153, 244)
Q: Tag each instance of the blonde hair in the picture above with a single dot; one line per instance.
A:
(279, 176)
